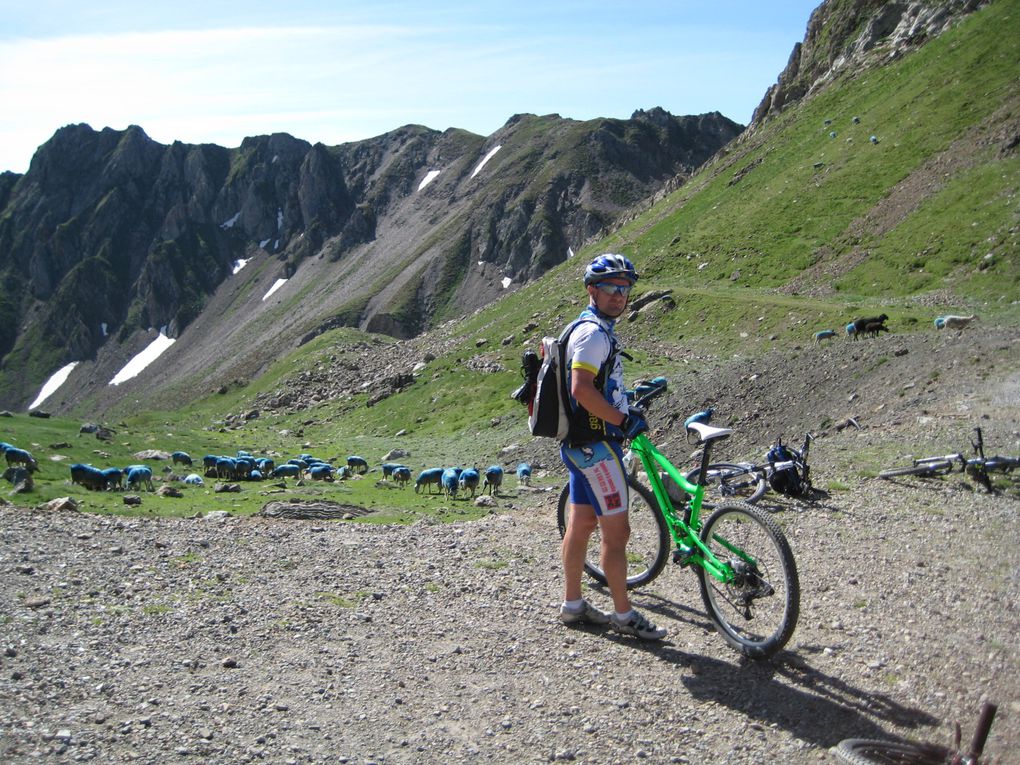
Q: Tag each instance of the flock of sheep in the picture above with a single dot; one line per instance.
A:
(871, 326)
(450, 481)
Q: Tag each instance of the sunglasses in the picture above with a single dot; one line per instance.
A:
(615, 289)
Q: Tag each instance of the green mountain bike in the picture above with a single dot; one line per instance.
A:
(745, 567)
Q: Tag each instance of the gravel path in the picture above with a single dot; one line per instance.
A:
(255, 640)
(284, 641)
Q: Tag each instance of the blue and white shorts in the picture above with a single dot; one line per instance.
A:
(597, 476)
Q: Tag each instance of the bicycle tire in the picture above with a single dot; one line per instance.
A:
(757, 612)
(648, 547)
(863, 751)
(927, 469)
(728, 481)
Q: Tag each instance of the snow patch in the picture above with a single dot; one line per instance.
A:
(506, 281)
(570, 252)
(230, 223)
(279, 219)
(239, 264)
(279, 283)
(151, 352)
(103, 327)
(486, 158)
(429, 177)
(264, 242)
(57, 379)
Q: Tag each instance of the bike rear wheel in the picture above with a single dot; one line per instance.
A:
(648, 547)
(726, 481)
(862, 751)
(757, 612)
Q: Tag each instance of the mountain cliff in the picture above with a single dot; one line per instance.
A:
(110, 235)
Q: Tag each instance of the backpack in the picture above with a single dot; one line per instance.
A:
(550, 413)
(786, 480)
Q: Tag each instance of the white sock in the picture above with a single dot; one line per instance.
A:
(625, 616)
(574, 605)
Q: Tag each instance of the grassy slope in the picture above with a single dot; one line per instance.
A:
(725, 248)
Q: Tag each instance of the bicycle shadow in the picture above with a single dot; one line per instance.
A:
(790, 694)
(785, 691)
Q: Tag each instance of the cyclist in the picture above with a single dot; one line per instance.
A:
(593, 452)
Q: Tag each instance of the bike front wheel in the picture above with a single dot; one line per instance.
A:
(862, 751)
(923, 469)
(648, 547)
(725, 481)
(756, 612)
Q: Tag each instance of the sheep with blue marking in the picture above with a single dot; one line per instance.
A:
(286, 470)
(113, 478)
(16, 456)
(469, 480)
(194, 479)
(357, 464)
(139, 476)
(493, 480)
(956, 322)
(321, 472)
(181, 458)
(851, 331)
(451, 481)
(226, 467)
(824, 334)
(427, 479)
(524, 474)
(90, 477)
(401, 476)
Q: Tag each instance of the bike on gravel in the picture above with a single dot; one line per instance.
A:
(862, 751)
(743, 562)
(748, 482)
(978, 467)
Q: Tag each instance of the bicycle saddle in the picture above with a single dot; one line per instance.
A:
(708, 432)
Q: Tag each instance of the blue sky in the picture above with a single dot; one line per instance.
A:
(215, 72)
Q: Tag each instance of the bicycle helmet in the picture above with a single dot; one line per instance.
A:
(608, 266)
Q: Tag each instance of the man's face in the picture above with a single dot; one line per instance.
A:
(611, 305)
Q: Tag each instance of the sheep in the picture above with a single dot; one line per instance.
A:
(872, 329)
(524, 474)
(824, 334)
(428, 477)
(321, 472)
(265, 465)
(226, 467)
(286, 470)
(90, 477)
(113, 478)
(851, 331)
(952, 322)
(358, 464)
(940, 322)
(194, 479)
(451, 481)
(16, 456)
(401, 475)
(493, 479)
(860, 324)
(138, 476)
(388, 468)
(182, 458)
(469, 479)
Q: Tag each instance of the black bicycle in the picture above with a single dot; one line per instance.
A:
(977, 468)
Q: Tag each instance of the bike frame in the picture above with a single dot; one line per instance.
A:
(685, 533)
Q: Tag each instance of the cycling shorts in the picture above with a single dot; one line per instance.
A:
(597, 476)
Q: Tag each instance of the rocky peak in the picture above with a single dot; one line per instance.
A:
(845, 35)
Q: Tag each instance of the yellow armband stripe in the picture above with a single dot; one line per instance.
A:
(585, 367)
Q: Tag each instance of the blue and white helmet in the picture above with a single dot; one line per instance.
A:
(608, 266)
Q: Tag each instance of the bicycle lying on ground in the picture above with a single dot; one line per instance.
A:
(745, 567)
(977, 467)
(861, 751)
(748, 482)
